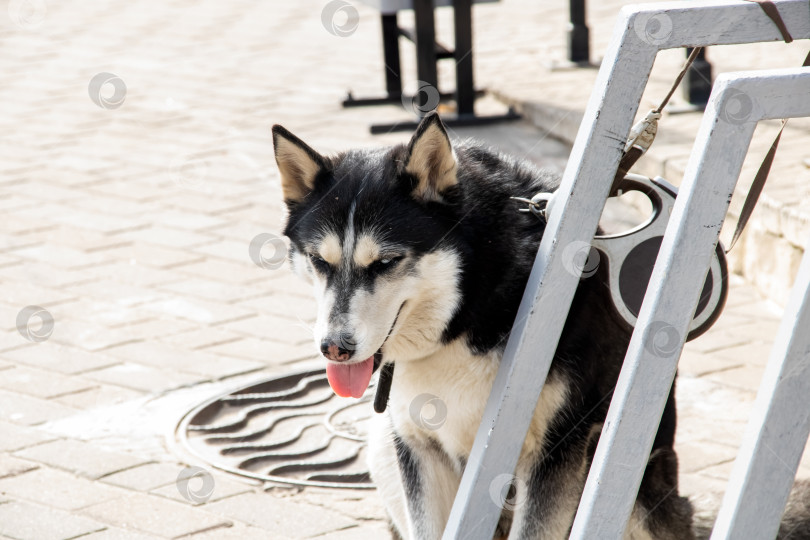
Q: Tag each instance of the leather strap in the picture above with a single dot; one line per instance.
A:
(756, 188)
(772, 11)
(628, 160)
(383, 387)
(759, 180)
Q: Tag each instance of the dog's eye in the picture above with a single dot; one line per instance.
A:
(319, 264)
(383, 264)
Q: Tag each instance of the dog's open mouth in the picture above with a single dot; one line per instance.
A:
(352, 380)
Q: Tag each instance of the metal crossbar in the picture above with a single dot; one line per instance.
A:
(574, 218)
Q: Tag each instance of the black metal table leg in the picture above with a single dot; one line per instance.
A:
(426, 70)
(697, 84)
(390, 31)
(425, 43)
(465, 88)
(393, 71)
(578, 34)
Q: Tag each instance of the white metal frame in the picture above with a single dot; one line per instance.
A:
(612, 485)
(778, 429)
(675, 285)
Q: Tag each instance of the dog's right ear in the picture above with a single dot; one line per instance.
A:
(298, 164)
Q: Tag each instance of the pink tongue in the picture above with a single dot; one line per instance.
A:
(350, 380)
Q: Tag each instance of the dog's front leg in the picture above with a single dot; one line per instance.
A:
(547, 490)
(415, 480)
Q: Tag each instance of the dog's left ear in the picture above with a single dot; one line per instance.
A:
(431, 159)
(298, 164)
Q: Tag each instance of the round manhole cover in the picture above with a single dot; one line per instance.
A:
(291, 429)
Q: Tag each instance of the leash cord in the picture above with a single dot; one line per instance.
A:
(643, 133)
(679, 78)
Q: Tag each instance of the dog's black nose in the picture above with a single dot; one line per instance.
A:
(334, 352)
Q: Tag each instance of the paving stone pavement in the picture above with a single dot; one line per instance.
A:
(129, 222)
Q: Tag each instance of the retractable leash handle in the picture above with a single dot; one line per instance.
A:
(630, 256)
(627, 259)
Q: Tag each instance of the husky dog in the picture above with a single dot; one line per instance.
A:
(419, 257)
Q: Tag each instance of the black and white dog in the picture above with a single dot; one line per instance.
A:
(418, 256)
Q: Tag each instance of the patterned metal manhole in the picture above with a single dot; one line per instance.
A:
(291, 429)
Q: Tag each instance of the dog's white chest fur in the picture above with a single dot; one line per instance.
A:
(442, 397)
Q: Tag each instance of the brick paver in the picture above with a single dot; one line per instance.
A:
(131, 226)
(22, 521)
(154, 515)
(17, 437)
(57, 489)
(112, 533)
(11, 466)
(224, 487)
(284, 516)
(24, 410)
(79, 457)
(145, 477)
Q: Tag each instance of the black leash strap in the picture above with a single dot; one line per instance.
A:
(383, 387)
(760, 178)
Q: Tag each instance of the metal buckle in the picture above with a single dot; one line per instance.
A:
(536, 205)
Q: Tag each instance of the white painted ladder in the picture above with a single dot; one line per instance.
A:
(778, 430)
